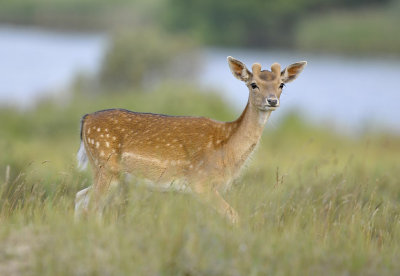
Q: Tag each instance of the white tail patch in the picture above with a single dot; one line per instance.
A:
(82, 157)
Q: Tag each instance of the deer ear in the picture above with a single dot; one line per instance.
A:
(292, 71)
(239, 70)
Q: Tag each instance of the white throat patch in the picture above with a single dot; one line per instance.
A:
(263, 117)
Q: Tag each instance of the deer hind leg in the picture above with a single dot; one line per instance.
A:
(212, 197)
(82, 199)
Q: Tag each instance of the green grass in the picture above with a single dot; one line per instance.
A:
(311, 202)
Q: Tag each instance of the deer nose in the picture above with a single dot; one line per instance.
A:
(272, 101)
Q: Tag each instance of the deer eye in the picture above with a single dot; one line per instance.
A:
(253, 85)
(281, 85)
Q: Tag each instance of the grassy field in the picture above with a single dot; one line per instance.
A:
(311, 202)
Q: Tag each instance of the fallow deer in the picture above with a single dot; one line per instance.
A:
(189, 154)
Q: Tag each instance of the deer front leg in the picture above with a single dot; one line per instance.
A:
(104, 188)
(212, 197)
(83, 197)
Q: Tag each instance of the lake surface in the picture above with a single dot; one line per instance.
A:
(35, 63)
(351, 94)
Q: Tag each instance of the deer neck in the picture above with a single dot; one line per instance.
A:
(248, 129)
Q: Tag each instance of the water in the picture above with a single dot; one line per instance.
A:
(35, 63)
(349, 94)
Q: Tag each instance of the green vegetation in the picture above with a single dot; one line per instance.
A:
(362, 31)
(325, 25)
(143, 57)
(252, 23)
(311, 202)
(64, 14)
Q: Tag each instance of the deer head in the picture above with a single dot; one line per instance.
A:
(265, 87)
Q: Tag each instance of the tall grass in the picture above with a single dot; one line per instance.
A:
(311, 202)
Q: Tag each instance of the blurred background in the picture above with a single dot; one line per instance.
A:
(52, 49)
(321, 194)
(61, 59)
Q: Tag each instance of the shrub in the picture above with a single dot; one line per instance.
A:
(141, 58)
